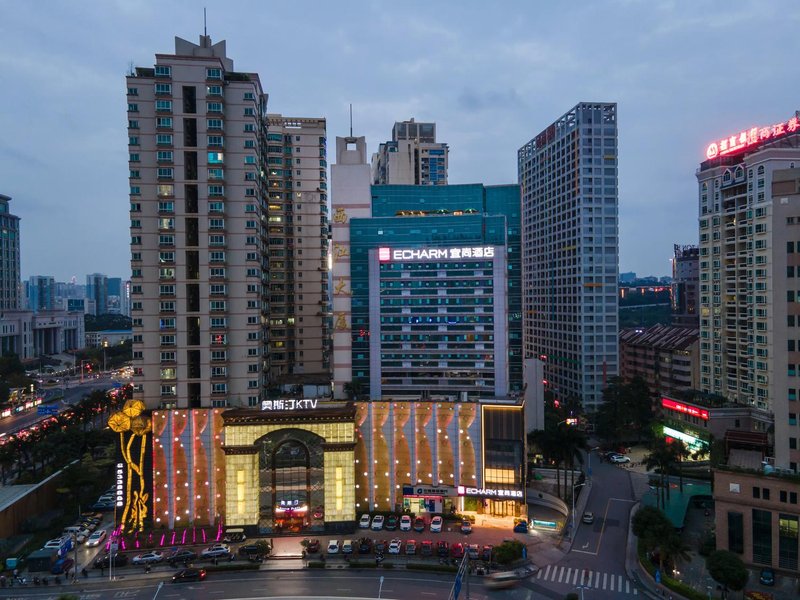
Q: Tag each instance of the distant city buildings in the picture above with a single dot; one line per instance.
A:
(685, 286)
(9, 257)
(570, 251)
(41, 293)
(412, 157)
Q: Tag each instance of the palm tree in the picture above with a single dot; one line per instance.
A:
(546, 441)
(681, 451)
(660, 457)
(572, 441)
(673, 549)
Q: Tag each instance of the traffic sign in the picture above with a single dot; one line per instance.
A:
(117, 384)
(457, 587)
(46, 410)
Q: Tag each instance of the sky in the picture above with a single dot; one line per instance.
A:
(490, 74)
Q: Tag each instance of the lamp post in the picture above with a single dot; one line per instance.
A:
(574, 487)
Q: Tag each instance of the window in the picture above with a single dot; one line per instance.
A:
(762, 536)
(216, 190)
(214, 90)
(736, 532)
(213, 73)
(164, 139)
(166, 206)
(214, 123)
(133, 124)
(163, 88)
(166, 239)
(215, 140)
(217, 305)
(164, 156)
(168, 356)
(216, 207)
(164, 122)
(249, 143)
(163, 71)
(216, 256)
(165, 190)
(167, 340)
(216, 223)
(214, 107)
(216, 240)
(250, 160)
(169, 389)
(133, 107)
(166, 173)
(133, 91)
(133, 157)
(167, 306)
(133, 140)
(249, 112)
(249, 127)
(215, 158)
(163, 105)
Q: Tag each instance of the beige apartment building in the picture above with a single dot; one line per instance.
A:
(299, 319)
(411, 157)
(197, 130)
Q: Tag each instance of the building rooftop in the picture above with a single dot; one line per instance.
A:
(745, 459)
(663, 337)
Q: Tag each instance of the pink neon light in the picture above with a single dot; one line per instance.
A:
(163, 539)
(384, 254)
(740, 142)
(685, 408)
(183, 537)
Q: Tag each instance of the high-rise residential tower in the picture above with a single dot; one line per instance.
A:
(298, 249)
(570, 251)
(749, 210)
(412, 157)
(97, 292)
(197, 192)
(685, 283)
(9, 257)
(40, 291)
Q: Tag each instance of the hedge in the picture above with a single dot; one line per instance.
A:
(233, 566)
(316, 564)
(362, 564)
(673, 584)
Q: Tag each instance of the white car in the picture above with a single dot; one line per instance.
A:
(333, 547)
(377, 523)
(394, 546)
(436, 524)
(82, 535)
(363, 523)
(216, 551)
(55, 543)
(618, 458)
(405, 523)
(97, 538)
(148, 558)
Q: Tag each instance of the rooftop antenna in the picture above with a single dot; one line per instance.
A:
(205, 29)
(351, 119)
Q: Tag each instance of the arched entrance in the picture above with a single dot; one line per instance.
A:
(291, 482)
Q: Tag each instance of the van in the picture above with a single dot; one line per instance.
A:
(347, 547)
(72, 530)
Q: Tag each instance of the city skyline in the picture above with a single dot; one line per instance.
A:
(492, 84)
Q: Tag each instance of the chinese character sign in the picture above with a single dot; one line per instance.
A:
(749, 138)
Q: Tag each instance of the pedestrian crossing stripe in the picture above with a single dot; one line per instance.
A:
(574, 576)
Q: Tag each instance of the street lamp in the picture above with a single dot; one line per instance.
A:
(574, 487)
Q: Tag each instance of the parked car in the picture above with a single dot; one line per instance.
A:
(234, 535)
(62, 565)
(521, 526)
(96, 538)
(426, 548)
(436, 524)
(255, 548)
(181, 556)
(486, 553)
(118, 560)
(588, 518)
(377, 522)
(347, 547)
(618, 459)
(333, 547)
(405, 523)
(148, 558)
(394, 546)
(767, 577)
(216, 551)
(189, 575)
(82, 535)
(313, 546)
(457, 550)
(443, 549)
(364, 545)
(391, 522)
(466, 527)
(411, 547)
(363, 523)
(474, 551)
(55, 543)
(103, 506)
(419, 524)
(89, 524)
(380, 546)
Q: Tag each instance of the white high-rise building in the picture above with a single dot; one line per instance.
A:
(749, 211)
(570, 251)
(412, 157)
(198, 212)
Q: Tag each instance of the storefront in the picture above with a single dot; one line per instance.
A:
(425, 499)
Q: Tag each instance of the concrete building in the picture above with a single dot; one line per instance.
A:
(9, 257)
(686, 286)
(570, 251)
(196, 132)
(757, 514)
(40, 292)
(749, 207)
(665, 357)
(97, 292)
(412, 157)
(298, 250)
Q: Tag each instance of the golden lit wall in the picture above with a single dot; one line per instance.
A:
(398, 443)
(242, 470)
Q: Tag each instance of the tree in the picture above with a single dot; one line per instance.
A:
(651, 526)
(673, 550)
(627, 411)
(681, 452)
(727, 569)
(661, 456)
(508, 552)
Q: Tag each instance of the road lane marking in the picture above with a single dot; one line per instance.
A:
(605, 576)
(619, 586)
(612, 582)
(627, 586)
(566, 579)
(575, 577)
(584, 552)
(547, 571)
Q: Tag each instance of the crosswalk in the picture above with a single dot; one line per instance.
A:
(574, 577)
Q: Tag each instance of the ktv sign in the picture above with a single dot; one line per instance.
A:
(404, 254)
(289, 404)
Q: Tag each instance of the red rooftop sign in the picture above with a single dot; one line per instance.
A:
(746, 139)
(685, 408)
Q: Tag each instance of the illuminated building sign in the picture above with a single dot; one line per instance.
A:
(289, 404)
(690, 440)
(119, 485)
(693, 411)
(387, 254)
(740, 142)
(421, 490)
(489, 493)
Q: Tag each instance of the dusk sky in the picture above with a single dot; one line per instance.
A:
(491, 75)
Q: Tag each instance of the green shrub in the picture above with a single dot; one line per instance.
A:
(707, 545)
(362, 564)
(316, 564)
(387, 565)
(233, 566)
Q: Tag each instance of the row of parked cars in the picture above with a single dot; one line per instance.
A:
(181, 556)
(366, 545)
(406, 523)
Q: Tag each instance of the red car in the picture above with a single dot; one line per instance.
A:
(457, 550)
